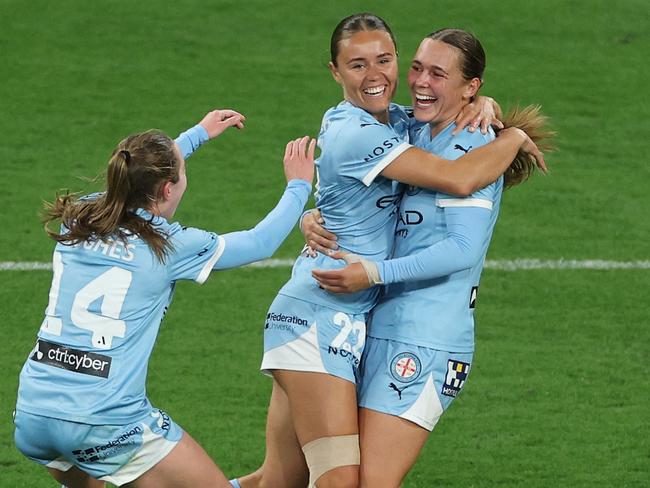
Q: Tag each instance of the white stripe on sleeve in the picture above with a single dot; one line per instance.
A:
(464, 202)
(386, 160)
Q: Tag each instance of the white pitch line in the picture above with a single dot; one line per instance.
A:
(523, 264)
(498, 264)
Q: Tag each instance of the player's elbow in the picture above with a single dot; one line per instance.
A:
(267, 249)
(468, 252)
(268, 253)
(463, 188)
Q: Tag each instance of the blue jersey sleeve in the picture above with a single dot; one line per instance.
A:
(190, 140)
(263, 240)
(363, 147)
(468, 222)
(468, 226)
(195, 252)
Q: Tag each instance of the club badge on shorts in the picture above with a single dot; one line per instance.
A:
(457, 372)
(405, 367)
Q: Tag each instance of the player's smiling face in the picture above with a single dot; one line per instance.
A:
(438, 88)
(367, 70)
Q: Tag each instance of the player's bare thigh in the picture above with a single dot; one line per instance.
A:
(284, 463)
(186, 466)
(322, 406)
(389, 448)
(75, 478)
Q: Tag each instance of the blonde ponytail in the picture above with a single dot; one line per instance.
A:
(532, 122)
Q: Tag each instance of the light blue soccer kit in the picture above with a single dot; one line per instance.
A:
(421, 334)
(82, 399)
(307, 328)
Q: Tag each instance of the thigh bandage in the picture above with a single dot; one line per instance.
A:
(327, 453)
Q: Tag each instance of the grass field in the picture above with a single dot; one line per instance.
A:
(559, 390)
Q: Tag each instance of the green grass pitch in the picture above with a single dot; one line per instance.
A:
(558, 396)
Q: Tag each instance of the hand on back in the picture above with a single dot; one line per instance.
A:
(317, 237)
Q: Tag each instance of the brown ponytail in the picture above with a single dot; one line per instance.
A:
(532, 122)
(137, 169)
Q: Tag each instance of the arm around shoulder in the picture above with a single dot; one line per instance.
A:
(463, 176)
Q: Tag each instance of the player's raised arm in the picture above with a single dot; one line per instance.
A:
(210, 126)
(217, 121)
(263, 240)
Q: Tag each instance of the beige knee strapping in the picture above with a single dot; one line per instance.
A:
(327, 453)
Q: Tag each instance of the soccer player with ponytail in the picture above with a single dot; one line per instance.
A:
(82, 409)
(420, 340)
(314, 340)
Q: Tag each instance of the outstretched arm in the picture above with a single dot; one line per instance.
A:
(263, 240)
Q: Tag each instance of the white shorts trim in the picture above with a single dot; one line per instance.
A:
(296, 355)
(60, 463)
(427, 409)
(385, 161)
(154, 449)
(464, 202)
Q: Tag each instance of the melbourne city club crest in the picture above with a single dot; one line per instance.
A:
(405, 367)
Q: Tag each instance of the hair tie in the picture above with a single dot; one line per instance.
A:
(126, 155)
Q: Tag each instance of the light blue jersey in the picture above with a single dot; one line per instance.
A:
(440, 247)
(358, 204)
(107, 301)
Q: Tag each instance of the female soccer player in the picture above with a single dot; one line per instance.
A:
(313, 339)
(421, 334)
(82, 410)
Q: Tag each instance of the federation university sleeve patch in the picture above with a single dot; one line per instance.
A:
(457, 372)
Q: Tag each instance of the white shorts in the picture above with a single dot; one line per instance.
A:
(302, 336)
(118, 454)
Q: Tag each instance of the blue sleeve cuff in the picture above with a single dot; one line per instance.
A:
(190, 140)
(298, 183)
(301, 189)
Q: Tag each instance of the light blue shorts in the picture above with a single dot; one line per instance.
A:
(411, 382)
(114, 453)
(302, 336)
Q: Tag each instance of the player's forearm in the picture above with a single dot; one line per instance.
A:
(460, 177)
(460, 249)
(443, 258)
(263, 240)
(190, 140)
